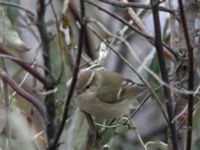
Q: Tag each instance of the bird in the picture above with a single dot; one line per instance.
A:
(105, 94)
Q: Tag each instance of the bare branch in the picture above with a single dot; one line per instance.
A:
(164, 73)
(75, 74)
(190, 75)
(50, 98)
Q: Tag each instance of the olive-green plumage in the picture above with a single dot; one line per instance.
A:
(105, 94)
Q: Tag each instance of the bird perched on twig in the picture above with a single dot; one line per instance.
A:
(105, 94)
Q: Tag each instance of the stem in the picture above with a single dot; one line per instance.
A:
(75, 74)
(50, 98)
(164, 73)
(190, 75)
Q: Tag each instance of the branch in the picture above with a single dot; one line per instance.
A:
(75, 73)
(50, 98)
(190, 75)
(164, 73)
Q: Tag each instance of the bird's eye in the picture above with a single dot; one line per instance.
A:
(87, 87)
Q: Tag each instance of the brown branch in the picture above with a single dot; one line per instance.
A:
(50, 98)
(75, 74)
(164, 73)
(190, 75)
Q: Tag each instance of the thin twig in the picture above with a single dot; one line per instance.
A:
(142, 103)
(49, 2)
(75, 74)
(164, 73)
(190, 75)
